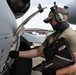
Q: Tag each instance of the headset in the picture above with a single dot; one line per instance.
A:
(58, 15)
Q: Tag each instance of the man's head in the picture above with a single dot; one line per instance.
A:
(59, 15)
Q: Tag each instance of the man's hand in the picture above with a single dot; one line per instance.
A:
(14, 54)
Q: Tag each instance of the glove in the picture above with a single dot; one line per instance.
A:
(14, 54)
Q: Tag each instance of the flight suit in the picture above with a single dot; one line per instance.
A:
(70, 36)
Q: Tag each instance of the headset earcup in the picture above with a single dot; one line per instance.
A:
(59, 17)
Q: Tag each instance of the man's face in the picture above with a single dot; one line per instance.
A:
(53, 21)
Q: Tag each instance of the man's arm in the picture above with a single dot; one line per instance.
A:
(32, 53)
(68, 69)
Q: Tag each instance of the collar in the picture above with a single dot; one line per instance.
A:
(60, 27)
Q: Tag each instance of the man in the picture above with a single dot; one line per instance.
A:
(58, 20)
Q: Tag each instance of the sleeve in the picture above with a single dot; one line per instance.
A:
(45, 43)
(73, 44)
(48, 40)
